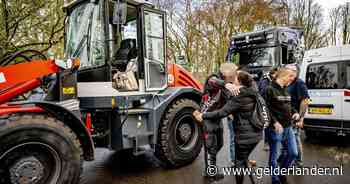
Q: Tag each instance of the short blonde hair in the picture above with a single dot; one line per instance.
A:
(228, 69)
(283, 72)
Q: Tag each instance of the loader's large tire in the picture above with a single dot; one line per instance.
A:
(179, 136)
(38, 149)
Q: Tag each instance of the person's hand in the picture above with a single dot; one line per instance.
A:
(198, 116)
(230, 116)
(300, 123)
(278, 128)
(233, 89)
(296, 117)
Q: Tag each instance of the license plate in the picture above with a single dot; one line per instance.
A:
(320, 110)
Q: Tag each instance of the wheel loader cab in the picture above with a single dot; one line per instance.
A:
(121, 45)
(138, 56)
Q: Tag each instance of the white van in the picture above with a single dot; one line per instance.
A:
(326, 72)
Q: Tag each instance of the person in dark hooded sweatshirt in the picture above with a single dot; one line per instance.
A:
(280, 133)
(242, 108)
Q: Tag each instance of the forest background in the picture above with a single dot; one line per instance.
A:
(199, 31)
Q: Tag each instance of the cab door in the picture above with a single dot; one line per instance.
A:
(154, 52)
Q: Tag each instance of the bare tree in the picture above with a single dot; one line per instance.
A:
(201, 30)
(339, 30)
(335, 18)
(345, 23)
(307, 14)
(30, 24)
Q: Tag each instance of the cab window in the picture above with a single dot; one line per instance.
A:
(85, 35)
(125, 48)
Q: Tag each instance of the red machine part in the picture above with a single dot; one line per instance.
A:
(13, 75)
(9, 109)
(178, 76)
(21, 78)
(88, 123)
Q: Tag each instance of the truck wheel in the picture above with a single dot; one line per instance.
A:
(38, 149)
(179, 136)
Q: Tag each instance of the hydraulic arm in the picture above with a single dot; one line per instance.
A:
(21, 78)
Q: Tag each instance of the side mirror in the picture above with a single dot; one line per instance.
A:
(119, 12)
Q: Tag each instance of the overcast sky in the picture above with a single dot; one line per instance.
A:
(327, 5)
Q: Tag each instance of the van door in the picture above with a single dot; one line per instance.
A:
(345, 77)
(325, 93)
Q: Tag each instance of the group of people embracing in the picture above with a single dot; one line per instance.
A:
(233, 93)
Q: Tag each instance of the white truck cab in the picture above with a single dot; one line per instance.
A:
(326, 72)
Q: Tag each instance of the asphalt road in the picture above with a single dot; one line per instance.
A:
(122, 168)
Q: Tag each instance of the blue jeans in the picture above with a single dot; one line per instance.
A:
(286, 140)
(297, 133)
(232, 139)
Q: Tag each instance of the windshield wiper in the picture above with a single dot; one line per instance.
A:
(84, 40)
(79, 47)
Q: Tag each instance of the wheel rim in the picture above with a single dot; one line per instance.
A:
(31, 163)
(186, 133)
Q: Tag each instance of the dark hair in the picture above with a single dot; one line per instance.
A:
(245, 78)
(274, 70)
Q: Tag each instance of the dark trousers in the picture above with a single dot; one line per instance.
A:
(242, 153)
(214, 139)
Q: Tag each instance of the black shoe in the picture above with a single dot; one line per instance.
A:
(276, 182)
(299, 164)
(217, 177)
(239, 179)
(283, 179)
(211, 161)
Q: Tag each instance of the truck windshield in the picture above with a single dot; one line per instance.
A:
(85, 35)
(258, 57)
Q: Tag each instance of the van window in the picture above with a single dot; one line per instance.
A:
(345, 74)
(323, 76)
